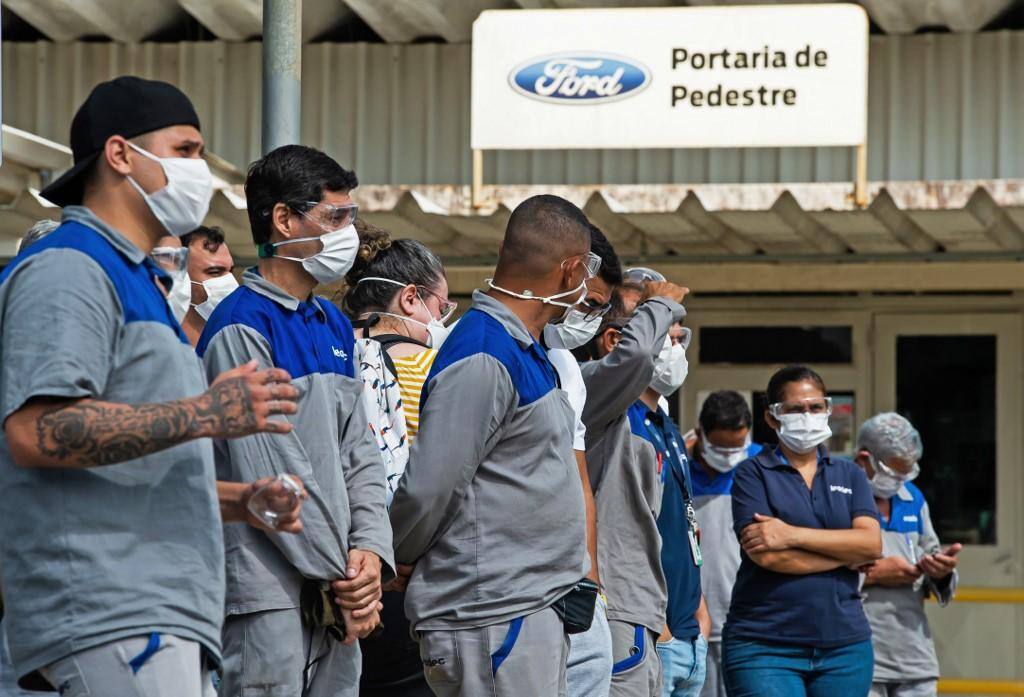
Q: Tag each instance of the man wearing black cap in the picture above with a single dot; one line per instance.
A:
(112, 565)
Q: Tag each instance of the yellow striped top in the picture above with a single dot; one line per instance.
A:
(412, 374)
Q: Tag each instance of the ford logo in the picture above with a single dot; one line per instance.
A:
(579, 78)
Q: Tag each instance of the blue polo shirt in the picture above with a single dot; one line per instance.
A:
(682, 575)
(821, 610)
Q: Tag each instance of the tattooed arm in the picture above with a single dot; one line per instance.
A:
(62, 433)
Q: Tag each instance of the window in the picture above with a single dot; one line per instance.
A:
(946, 386)
(774, 345)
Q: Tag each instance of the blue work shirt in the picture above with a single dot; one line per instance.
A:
(682, 575)
(821, 610)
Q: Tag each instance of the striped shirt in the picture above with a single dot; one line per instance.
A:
(412, 374)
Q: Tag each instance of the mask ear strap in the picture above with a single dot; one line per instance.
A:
(266, 250)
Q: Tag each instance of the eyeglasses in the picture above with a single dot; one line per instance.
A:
(332, 217)
(592, 309)
(447, 307)
(684, 338)
(170, 258)
(810, 405)
(902, 476)
(642, 274)
(591, 264)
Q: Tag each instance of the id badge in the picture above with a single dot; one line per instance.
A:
(698, 560)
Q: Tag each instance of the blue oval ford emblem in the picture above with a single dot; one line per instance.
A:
(579, 78)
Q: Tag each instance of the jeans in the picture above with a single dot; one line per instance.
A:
(764, 669)
(684, 664)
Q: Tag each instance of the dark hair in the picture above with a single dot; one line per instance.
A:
(776, 391)
(616, 318)
(213, 237)
(611, 269)
(541, 228)
(405, 261)
(725, 409)
(292, 175)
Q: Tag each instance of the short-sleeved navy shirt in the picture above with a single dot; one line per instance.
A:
(821, 610)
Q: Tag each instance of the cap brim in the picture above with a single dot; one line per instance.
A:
(68, 188)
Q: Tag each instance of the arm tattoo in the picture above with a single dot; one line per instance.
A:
(92, 433)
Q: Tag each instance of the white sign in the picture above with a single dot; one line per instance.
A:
(688, 77)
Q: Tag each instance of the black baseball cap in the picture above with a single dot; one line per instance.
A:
(126, 106)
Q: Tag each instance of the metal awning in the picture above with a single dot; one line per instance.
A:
(402, 21)
(715, 224)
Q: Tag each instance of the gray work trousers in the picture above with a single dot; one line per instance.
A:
(911, 688)
(273, 654)
(714, 683)
(637, 668)
(142, 666)
(589, 672)
(526, 656)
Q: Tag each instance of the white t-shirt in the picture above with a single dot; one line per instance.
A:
(572, 382)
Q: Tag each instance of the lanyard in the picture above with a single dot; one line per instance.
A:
(670, 452)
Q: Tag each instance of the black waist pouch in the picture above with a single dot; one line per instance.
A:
(576, 608)
(319, 610)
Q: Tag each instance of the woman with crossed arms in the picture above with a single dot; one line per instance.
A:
(805, 521)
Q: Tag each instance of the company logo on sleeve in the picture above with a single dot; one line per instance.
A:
(579, 78)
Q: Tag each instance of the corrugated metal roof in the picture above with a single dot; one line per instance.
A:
(932, 220)
(402, 21)
(941, 106)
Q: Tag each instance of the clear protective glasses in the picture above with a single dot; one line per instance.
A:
(330, 216)
(591, 264)
(726, 451)
(170, 259)
(684, 337)
(809, 405)
(592, 309)
(641, 275)
(447, 307)
(896, 474)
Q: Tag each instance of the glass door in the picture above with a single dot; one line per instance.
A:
(740, 351)
(958, 379)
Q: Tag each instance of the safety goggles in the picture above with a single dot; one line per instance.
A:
(329, 216)
(592, 309)
(591, 264)
(727, 452)
(810, 405)
(170, 258)
(641, 275)
(895, 474)
(446, 307)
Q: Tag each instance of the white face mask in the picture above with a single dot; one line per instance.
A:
(885, 484)
(332, 262)
(216, 290)
(577, 328)
(183, 203)
(723, 459)
(802, 433)
(670, 368)
(180, 296)
(436, 331)
(435, 327)
(580, 292)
